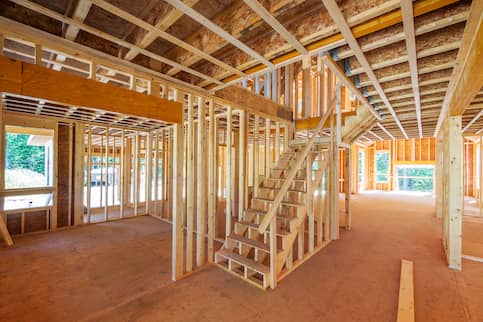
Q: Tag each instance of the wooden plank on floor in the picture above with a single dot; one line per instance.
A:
(405, 308)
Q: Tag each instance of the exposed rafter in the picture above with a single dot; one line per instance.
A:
(386, 131)
(163, 24)
(16, 29)
(162, 34)
(346, 31)
(348, 83)
(202, 20)
(467, 78)
(80, 13)
(276, 25)
(408, 23)
(470, 123)
(375, 135)
(94, 31)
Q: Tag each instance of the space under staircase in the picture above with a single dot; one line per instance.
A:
(261, 247)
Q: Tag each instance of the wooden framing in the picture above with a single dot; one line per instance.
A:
(34, 81)
(217, 30)
(453, 191)
(339, 19)
(466, 79)
(408, 23)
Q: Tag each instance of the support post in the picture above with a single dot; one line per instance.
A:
(267, 147)
(256, 150)
(453, 191)
(306, 62)
(242, 162)
(190, 188)
(211, 180)
(228, 169)
(177, 204)
(201, 185)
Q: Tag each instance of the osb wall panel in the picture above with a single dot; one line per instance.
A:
(63, 176)
(35, 221)
(14, 223)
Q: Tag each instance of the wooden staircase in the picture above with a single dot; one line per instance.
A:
(281, 203)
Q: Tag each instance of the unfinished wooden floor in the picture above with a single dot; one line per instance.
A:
(119, 271)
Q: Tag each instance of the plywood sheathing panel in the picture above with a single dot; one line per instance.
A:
(402, 70)
(63, 176)
(433, 40)
(388, 34)
(32, 18)
(238, 17)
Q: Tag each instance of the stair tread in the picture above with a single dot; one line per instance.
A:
(290, 190)
(280, 232)
(259, 267)
(264, 212)
(251, 242)
(282, 202)
(303, 180)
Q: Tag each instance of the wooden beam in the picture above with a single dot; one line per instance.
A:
(21, 31)
(201, 185)
(228, 170)
(386, 131)
(310, 123)
(242, 152)
(405, 308)
(211, 180)
(190, 185)
(473, 120)
(80, 13)
(467, 78)
(408, 24)
(163, 24)
(348, 83)
(31, 80)
(360, 29)
(453, 191)
(277, 26)
(202, 20)
(177, 252)
(55, 15)
(162, 34)
(254, 103)
(340, 21)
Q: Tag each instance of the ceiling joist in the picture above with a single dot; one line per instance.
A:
(346, 31)
(202, 20)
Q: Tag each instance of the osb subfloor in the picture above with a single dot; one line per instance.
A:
(119, 271)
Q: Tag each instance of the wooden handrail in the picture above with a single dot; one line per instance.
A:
(291, 175)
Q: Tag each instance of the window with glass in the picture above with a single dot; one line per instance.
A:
(29, 159)
(416, 178)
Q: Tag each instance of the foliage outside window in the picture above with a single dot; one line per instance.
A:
(415, 178)
(28, 160)
(382, 166)
(28, 167)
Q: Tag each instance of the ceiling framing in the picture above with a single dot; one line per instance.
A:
(211, 44)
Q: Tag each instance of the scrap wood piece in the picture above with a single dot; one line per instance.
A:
(405, 309)
(5, 233)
